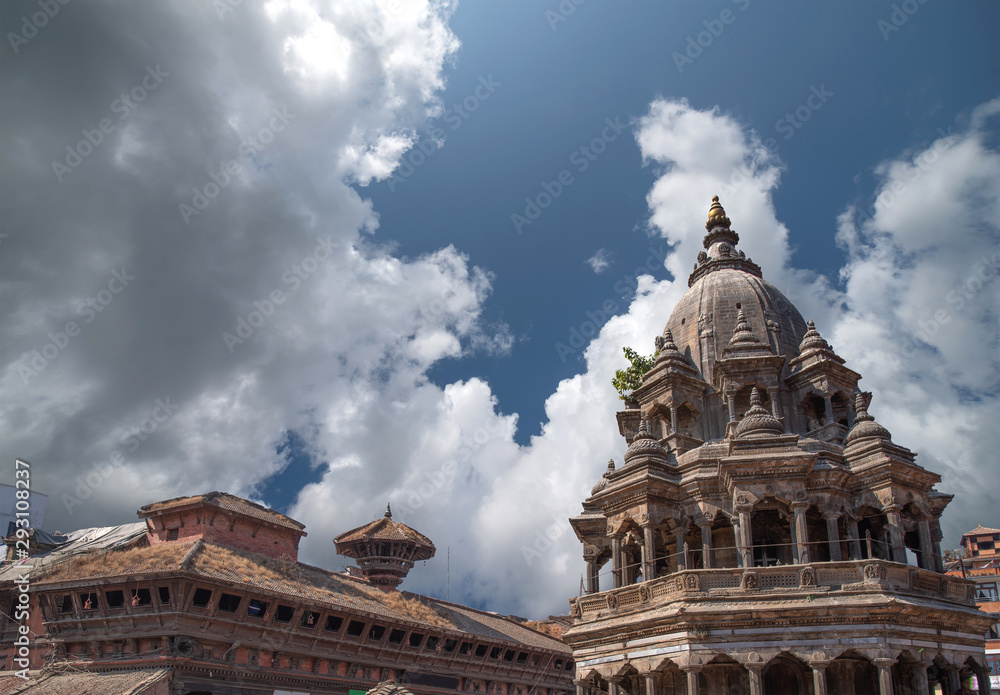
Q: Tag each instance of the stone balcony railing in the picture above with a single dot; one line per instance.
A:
(761, 583)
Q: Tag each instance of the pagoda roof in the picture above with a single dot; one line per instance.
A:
(980, 531)
(384, 529)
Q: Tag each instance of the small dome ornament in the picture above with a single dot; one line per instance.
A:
(742, 333)
(645, 444)
(667, 348)
(603, 482)
(758, 421)
(865, 426)
(812, 339)
(388, 511)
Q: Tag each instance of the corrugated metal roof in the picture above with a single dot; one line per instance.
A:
(80, 543)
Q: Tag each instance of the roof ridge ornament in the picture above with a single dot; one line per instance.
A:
(864, 426)
(645, 445)
(758, 421)
(812, 339)
(388, 511)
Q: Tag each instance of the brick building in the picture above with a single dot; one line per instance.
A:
(206, 596)
(981, 565)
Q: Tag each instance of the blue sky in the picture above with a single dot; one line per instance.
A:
(430, 347)
(560, 80)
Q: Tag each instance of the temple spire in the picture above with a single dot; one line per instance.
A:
(388, 511)
(718, 226)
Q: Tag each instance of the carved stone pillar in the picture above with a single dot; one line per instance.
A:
(613, 686)
(918, 674)
(772, 393)
(679, 535)
(648, 554)
(926, 545)
(897, 551)
(692, 678)
(853, 539)
(819, 677)
(936, 537)
(706, 543)
(673, 419)
(801, 531)
(592, 576)
(731, 401)
(652, 687)
(884, 667)
(755, 672)
(617, 571)
(828, 404)
(833, 535)
(745, 538)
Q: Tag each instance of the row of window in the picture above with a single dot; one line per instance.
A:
(260, 609)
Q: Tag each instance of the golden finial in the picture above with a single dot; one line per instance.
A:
(716, 216)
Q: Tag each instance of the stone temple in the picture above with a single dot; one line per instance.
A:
(763, 534)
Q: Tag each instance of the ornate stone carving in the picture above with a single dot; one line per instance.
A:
(807, 577)
(644, 593)
(185, 646)
(749, 581)
(874, 572)
(612, 601)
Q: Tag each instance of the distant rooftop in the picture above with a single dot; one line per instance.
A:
(225, 501)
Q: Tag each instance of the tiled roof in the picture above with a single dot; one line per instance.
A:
(231, 503)
(133, 682)
(297, 581)
(980, 531)
(383, 529)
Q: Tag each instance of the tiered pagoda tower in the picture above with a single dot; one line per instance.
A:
(385, 550)
(764, 534)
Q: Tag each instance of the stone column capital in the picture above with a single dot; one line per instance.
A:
(831, 515)
(799, 504)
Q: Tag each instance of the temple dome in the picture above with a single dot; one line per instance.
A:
(727, 288)
(714, 302)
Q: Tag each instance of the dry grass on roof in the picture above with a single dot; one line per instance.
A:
(171, 503)
(547, 627)
(307, 581)
(119, 562)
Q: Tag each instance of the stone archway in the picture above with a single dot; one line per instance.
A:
(725, 675)
(852, 674)
(786, 674)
